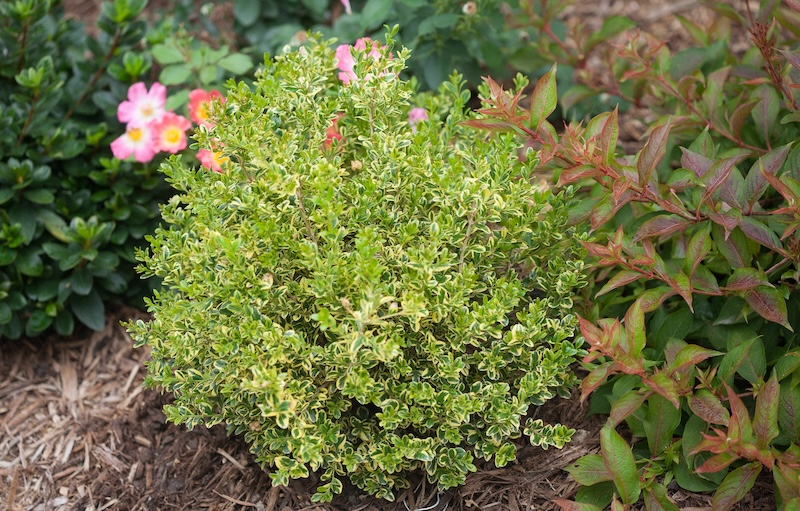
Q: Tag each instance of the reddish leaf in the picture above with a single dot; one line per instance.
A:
(714, 83)
(664, 386)
(746, 278)
(740, 115)
(717, 463)
(594, 379)
(590, 332)
(691, 355)
(634, 329)
(755, 182)
(793, 56)
(794, 4)
(740, 428)
(683, 286)
(735, 486)
(544, 98)
(765, 420)
(729, 219)
(589, 470)
(735, 249)
(653, 298)
(717, 174)
(782, 188)
(708, 407)
(626, 405)
(577, 173)
(622, 278)
(787, 481)
(608, 136)
(619, 461)
(603, 211)
(699, 245)
(766, 111)
(488, 124)
(651, 154)
(762, 234)
(661, 226)
(704, 280)
(596, 249)
(769, 304)
(695, 162)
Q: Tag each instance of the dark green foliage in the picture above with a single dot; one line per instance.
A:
(70, 215)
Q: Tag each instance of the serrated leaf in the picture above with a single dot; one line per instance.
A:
(544, 98)
(735, 486)
(619, 461)
(769, 304)
(708, 407)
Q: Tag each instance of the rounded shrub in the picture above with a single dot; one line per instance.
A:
(356, 293)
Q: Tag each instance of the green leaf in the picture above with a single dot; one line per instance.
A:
(38, 323)
(568, 505)
(375, 13)
(236, 63)
(655, 499)
(589, 470)
(29, 262)
(746, 278)
(176, 74)
(761, 234)
(81, 282)
(769, 303)
(621, 278)
(765, 420)
(661, 225)
(247, 12)
(5, 313)
(64, 323)
(544, 98)
(167, 54)
(89, 310)
(766, 111)
(789, 411)
(691, 355)
(661, 421)
(619, 461)
(770, 163)
(612, 26)
(40, 196)
(708, 407)
(735, 486)
(437, 21)
(650, 155)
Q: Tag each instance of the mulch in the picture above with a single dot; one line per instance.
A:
(79, 431)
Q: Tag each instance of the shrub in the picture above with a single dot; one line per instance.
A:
(694, 307)
(475, 37)
(70, 214)
(356, 294)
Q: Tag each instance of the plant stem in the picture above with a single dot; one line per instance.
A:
(28, 121)
(97, 74)
(299, 193)
(22, 44)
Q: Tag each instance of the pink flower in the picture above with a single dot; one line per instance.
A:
(347, 7)
(332, 133)
(415, 116)
(199, 101)
(345, 61)
(170, 133)
(142, 106)
(137, 141)
(211, 159)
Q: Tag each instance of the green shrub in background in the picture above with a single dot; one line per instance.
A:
(476, 37)
(70, 214)
(692, 318)
(357, 295)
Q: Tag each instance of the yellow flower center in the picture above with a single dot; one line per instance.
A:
(172, 135)
(147, 110)
(219, 159)
(135, 134)
(202, 111)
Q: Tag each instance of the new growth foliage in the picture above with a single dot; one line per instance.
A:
(358, 295)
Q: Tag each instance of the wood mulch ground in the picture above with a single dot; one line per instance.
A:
(78, 431)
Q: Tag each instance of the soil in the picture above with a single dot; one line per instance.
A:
(79, 431)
